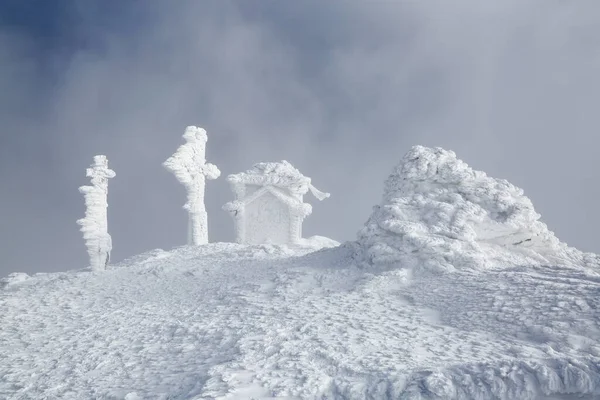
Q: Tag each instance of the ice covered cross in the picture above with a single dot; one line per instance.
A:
(189, 166)
(95, 223)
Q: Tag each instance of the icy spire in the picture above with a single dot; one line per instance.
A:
(189, 166)
(95, 224)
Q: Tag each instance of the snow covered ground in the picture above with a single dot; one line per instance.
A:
(230, 321)
(425, 305)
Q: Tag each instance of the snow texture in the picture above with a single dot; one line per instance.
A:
(189, 166)
(230, 321)
(269, 205)
(95, 223)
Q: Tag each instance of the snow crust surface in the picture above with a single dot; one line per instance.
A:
(426, 304)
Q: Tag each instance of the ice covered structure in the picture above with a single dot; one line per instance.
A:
(269, 206)
(438, 213)
(95, 223)
(189, 166)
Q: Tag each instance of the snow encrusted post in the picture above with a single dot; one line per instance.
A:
(189, 166)
(95, 223)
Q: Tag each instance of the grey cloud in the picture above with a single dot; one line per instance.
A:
(341, 90)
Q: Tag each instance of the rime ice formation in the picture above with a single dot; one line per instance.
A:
(269, 206)
(189, 166)
(439, 213)
(95, 224)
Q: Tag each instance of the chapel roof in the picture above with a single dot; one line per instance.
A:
(280, 174)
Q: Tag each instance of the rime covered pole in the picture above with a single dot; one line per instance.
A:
(95, 223)
(189, 166)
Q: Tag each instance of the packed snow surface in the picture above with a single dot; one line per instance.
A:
(426, 304)
(189, 166)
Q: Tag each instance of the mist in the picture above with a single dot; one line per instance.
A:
(341, 90)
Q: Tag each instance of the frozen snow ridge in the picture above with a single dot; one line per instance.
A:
(439, 213)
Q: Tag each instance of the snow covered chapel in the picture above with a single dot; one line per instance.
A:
(269, 205)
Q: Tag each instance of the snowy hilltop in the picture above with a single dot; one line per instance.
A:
(454, 289)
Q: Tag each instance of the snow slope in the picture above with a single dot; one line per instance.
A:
(415, 309)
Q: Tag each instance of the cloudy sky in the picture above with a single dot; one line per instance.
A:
(341, 89)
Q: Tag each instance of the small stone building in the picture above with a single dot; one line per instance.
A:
(269, 205)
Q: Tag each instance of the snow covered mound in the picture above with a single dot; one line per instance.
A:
(439, 213)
